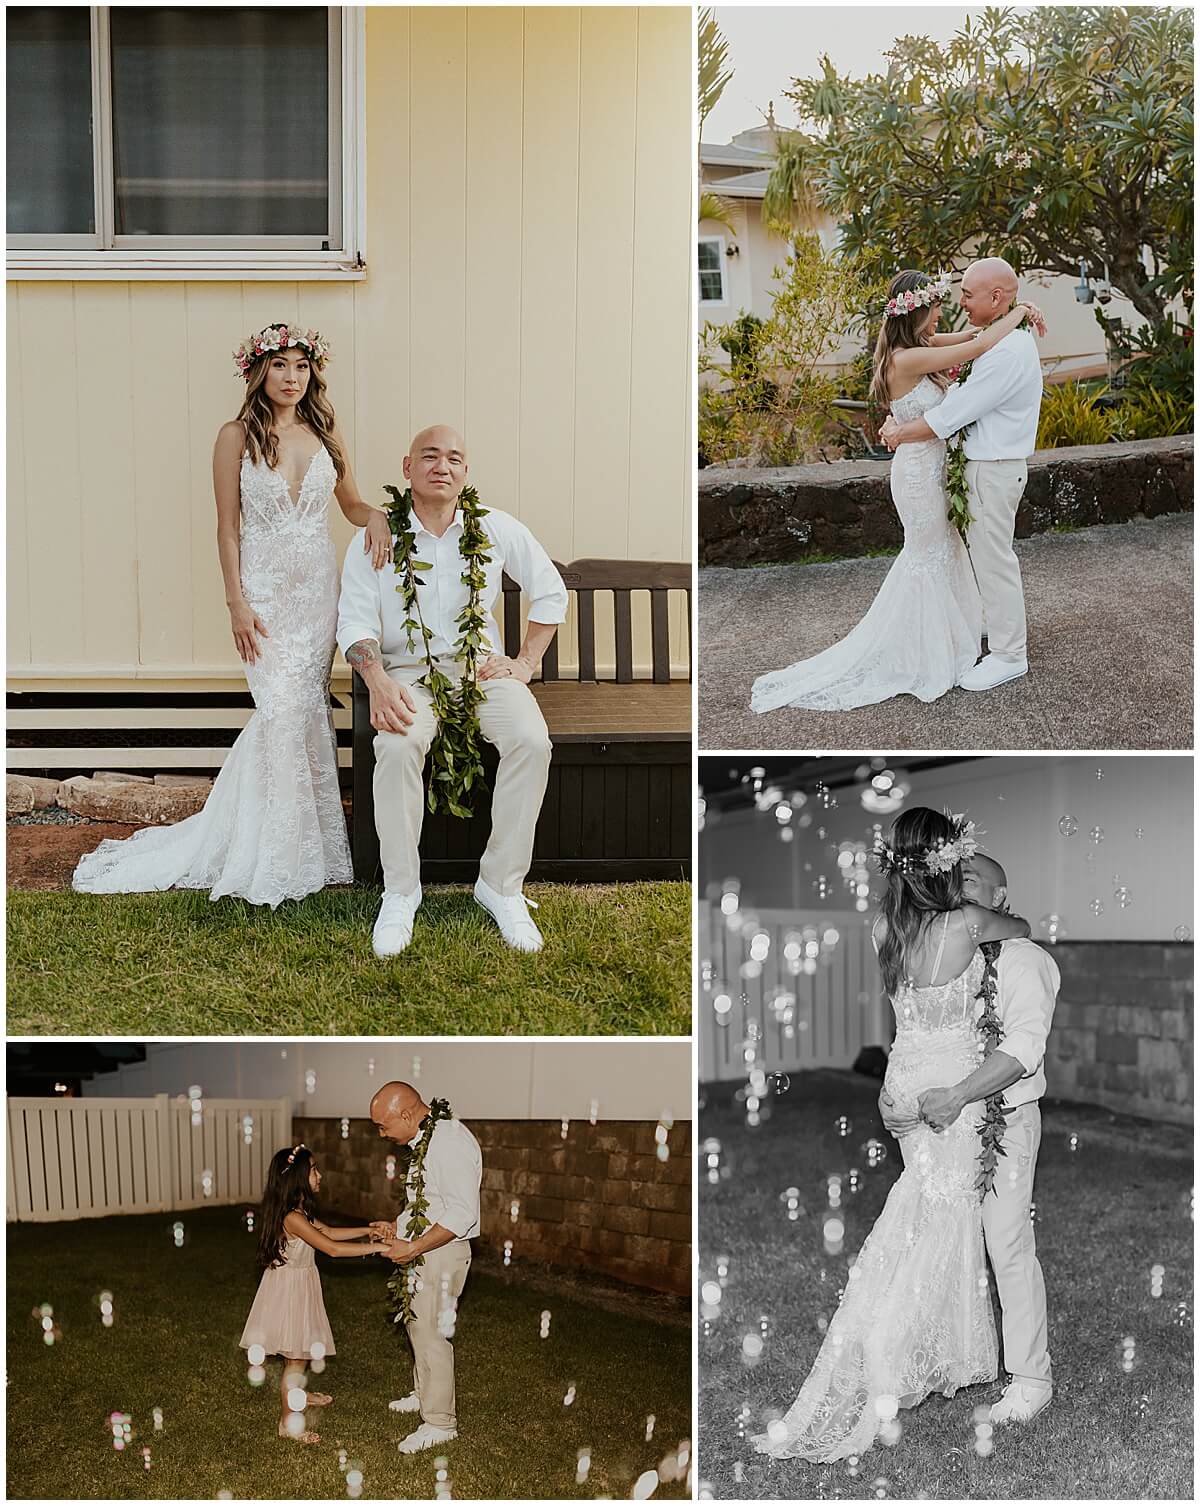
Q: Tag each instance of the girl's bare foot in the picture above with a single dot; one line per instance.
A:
(319, 1398)
(306, 1436)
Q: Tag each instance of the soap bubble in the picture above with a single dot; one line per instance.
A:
(1183, 933)
(780, 1082)
(1053, 927)
(843, 1126)
(1068, 825)
(1097, 907)
(1097, 835)
(1123, 897)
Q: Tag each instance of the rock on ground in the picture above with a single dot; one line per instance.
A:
(18, 796)
(133, 804)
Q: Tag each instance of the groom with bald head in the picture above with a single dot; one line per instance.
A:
(452, 1171)
(1000, 401)
(371, 633)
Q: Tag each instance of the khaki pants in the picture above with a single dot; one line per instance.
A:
(995, 489)
(443, 1277)
(509, 718)
(1012, 1249)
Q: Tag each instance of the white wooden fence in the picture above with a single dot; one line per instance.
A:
(91, 1157)
(838, 1009)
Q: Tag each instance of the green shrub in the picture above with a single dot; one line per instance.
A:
(1152, 415)
(1070, 416)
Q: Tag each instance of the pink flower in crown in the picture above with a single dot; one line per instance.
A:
(891, 307)
(909, 301)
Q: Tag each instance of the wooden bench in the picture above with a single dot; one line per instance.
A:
(619, 799)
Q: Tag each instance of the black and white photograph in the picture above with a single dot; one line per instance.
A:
(945, 1135)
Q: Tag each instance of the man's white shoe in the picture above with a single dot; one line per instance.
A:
(409, 1403)
(394, 923)
(511, 914)
(1021, 1403)
(992, 671)
(426, 1436)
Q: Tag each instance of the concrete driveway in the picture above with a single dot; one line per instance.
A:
(1110, 651)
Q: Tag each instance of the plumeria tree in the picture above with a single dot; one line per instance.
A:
(1049, 136)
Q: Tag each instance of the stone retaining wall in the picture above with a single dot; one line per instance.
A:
(763, 516)
(600, 1199)
(1123, 1028)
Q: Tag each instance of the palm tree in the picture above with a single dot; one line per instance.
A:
(713, 74)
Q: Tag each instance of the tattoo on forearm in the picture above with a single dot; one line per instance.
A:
(363, 654)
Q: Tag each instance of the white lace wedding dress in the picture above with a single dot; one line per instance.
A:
(922, 631)
(916, 1316)
(272, 827)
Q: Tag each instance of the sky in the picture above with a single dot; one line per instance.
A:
(771, 45)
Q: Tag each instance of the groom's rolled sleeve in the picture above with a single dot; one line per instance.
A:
(1030, 987)
(359, 612)
(985, 389)
(536, 574)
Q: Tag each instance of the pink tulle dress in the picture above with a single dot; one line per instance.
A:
(288, 1313)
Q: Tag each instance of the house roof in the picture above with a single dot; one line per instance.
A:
(732, 156)
(747, 186)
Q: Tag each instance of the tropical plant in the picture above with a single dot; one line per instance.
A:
(1155, 357)
(1070, 416)
(770, 397)
(1050, 136)
(1153, 415)
(712, 74)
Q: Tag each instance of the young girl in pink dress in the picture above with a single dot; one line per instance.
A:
(288, 1315)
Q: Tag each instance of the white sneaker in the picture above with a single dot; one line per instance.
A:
(426, 1436)
(511, 914)
(992, 671)
(394, 923)
(1021, 1403)
(409, 1403)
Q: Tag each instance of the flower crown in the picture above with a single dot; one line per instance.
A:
(295, 1151)
(936, 291)
(939, 859)
(280, 337)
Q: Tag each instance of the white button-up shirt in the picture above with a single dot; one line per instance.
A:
(370, 606)
(453, 1172)
(1027, 989)
(1001, 398)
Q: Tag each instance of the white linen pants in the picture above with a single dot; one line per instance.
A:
(995, 489)
(1012, 1250)
(434, 1309)
(509, 718)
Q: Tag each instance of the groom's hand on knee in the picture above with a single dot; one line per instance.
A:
(392, 707)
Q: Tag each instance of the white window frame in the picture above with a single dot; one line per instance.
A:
(722, 267)
(106, 255)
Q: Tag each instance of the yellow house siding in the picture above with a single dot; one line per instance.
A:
(528, 235)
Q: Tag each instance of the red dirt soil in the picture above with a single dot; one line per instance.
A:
(44, 856)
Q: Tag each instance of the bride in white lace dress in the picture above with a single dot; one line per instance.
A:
(916, 1316)
(922, 631)
(272, 827)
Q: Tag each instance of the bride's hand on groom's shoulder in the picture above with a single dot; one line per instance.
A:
(377, 538)
(1036, 317)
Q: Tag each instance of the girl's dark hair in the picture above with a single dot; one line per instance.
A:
(899, 332)
(287, 1191)
(914, 896)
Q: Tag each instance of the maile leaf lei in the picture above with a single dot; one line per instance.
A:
(402, 1282)
(959, 511)
(456, 754)
(993, 1123)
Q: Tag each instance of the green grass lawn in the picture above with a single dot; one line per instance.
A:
(617, 961)
(1105, 1214)
(179, 1315)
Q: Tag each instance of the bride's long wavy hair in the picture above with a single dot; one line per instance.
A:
(914, 896)
(900, 332)
(287, 1190)
(313, 409)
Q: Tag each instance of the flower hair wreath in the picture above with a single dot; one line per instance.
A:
(277, 337)
(295, 1151)
(936, 291)
(940, 859)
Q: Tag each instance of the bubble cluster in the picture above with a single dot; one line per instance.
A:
(569, 1398)
(843, 1126)
(593, 1110)
(1097, 835)
(354, 1475)
(650, 1421)
(583, 1463)
(145, 1458)
(247, 1129)
(50, 1330)
(196, 1101)
(157, 1415)
(1072, 1142)
(389, 1168)
(508, 1249)
(441, 1478)
(121, 1425)
(566, 1125)
(177, 1233)
(1053, 927)
(207, 1182)
(790, 1197)
(514, 1210)
(544, 1328)
(662, 1132)
(416, 1067)
(710, 1151)
(105, 1301)
(256, 1356)
(310, 1082)
(1122, 896)
(1183, 1315)
(1156, 1280)
(1128, 1353)
(1097, 907)
(875, 1152)
(345, 1127)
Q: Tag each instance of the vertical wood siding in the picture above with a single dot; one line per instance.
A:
(529, 280)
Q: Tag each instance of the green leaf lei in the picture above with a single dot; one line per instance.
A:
(993, 1123)
(456, 755)
(959, 511)
(402, 1282)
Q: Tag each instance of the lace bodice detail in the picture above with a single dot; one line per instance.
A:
(925, 395)
(267, 502)
(940, 1007)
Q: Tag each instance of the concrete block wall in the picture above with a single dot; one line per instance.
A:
(1123, 1028)
(600, 1199)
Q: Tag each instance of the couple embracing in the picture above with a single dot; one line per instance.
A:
(273, 826)
(973, 999)
(429, 1244)
(922, 633)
